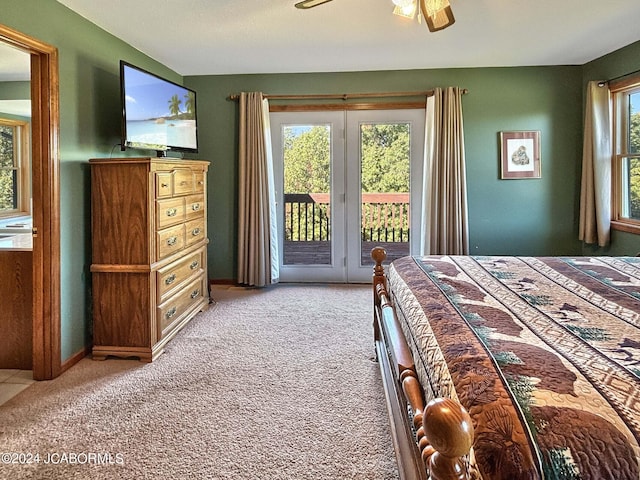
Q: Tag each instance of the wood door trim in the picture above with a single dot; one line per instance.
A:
(45, 118)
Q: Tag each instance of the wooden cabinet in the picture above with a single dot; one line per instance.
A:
(16, 291)
(149, 252)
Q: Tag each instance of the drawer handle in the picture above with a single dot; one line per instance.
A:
(195, 207)
(201, 182)
(195, 293)
(170, 279)
(164, 185)
(172, 212)
(171, 241)
(195, 232)
(170, 313)
(194, 265)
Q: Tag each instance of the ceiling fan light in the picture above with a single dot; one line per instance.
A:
(431, 7)
(407, 11)
(437, 14)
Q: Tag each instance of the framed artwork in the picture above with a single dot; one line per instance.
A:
(520, 155)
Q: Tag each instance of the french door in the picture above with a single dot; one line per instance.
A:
(345, 182)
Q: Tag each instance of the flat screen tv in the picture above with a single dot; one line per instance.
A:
(157, 114)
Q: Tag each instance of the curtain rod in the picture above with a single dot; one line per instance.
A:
(345, 96)
(619, 77)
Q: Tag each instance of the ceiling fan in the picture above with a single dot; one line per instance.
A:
(437, 13)
(304, 4)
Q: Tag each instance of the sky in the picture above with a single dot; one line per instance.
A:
(148, 96)
(635, 103)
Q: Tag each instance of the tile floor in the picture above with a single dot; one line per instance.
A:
(13, 382)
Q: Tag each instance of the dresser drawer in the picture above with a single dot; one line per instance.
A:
(175, 274)
(170, 240)
(194, 206)
(169, 212)
(183, 181)
(164, 184)
(199, 182)
(195, 231)
(174, 309)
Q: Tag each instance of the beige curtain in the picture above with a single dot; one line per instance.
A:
(444, 224)
(257, 229)
(595, 192)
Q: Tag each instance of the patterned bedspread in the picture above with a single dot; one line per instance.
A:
(543, 352)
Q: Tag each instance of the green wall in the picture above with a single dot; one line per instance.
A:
(89, 127)
(532, 217)
(614, 65)
(15, 90)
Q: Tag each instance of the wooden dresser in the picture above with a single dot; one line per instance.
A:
(149, 252)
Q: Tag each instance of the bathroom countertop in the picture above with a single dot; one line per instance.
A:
(16, 242)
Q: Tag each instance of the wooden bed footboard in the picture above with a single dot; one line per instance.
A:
(439, 443)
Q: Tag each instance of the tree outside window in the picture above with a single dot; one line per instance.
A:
(626, 154)
(633, 164)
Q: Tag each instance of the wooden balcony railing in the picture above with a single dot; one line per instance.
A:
(307, 217)
(385, 217)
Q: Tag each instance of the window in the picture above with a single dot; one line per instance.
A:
(15, 180)
(626, 165)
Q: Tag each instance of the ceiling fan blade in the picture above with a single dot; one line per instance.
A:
(304, 4)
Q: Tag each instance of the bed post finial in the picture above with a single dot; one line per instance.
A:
(449, 429)
(379, 255)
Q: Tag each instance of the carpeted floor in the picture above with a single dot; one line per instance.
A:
(277, 383)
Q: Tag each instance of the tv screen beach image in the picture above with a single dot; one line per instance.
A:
(159, 114)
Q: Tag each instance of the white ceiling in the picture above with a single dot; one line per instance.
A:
(200, 37)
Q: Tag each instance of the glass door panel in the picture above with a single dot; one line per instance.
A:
(385, 159)
(384, 171)
(309, 169)
(307, 194)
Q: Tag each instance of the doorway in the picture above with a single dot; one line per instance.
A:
(345, 181)
(46, 201)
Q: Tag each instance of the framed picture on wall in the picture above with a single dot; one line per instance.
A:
(520, 155)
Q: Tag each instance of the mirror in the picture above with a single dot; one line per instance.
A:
(16, 347)
(15, 117)
(14, 67)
